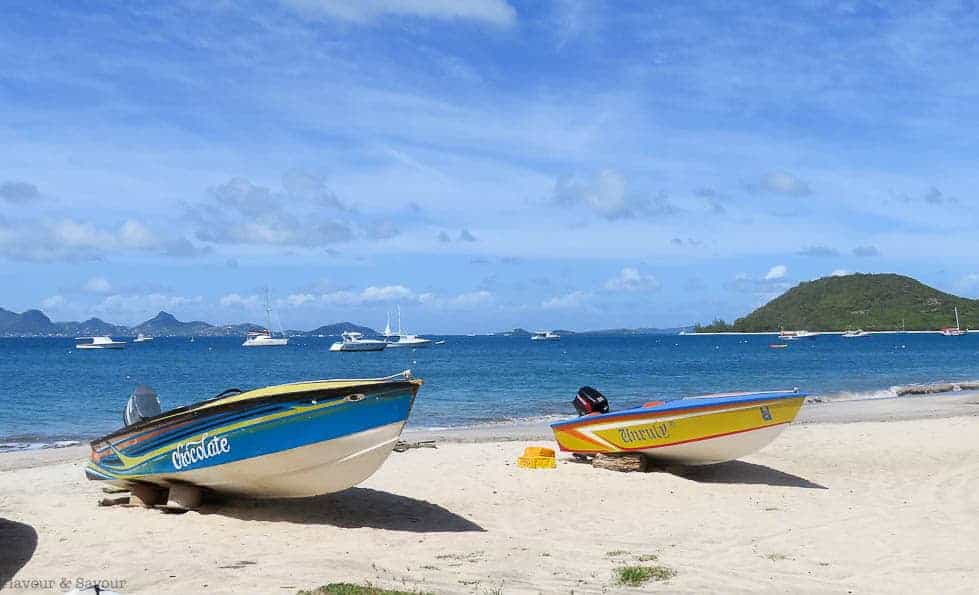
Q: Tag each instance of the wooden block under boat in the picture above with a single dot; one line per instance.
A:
(620, 462)
(147, 495)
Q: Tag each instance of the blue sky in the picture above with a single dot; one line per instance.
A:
(485, 164)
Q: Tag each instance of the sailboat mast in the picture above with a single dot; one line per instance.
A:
(957, 327)
(400, 331)
(268, 310)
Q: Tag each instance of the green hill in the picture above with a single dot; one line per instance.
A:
(870, 302)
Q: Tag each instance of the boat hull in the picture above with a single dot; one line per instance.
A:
(359, 346)
(265, 343)
(299, 444)
(700, 431)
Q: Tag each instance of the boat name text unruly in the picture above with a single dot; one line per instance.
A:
(644, 433)
(195, 452)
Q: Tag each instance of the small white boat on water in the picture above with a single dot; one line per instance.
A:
(99, 343)
(264, 338)
(855, 334)
(954, 331)
(402, 339)
(545, 336)
(141, 338)
(354, 341)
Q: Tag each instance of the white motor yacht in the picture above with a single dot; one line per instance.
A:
(99, 343)
(141, 338)
(545, 336)
(354, 341)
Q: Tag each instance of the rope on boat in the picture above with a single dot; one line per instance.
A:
(402, 446)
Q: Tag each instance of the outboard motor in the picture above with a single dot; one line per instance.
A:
(588, 400)
(143, 404)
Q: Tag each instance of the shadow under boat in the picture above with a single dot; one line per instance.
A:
(350, 509)
(743, 473)
(17, 544)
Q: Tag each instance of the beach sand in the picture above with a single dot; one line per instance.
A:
(841, 501)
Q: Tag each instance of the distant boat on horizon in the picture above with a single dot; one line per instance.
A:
(545, 336)
(954, 331)
(99, 343)
(855, 333)
(141, 338)
(402, 339)
(264, 338)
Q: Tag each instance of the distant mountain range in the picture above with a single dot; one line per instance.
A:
(860, 301)
(34, 323)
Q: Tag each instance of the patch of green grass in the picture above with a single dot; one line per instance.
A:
(617, 553)
(351, 589)
(634, 576)
(648, 557)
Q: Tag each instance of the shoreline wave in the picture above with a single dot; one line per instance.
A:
(897, 391)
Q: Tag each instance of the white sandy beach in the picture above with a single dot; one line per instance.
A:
(874, 496)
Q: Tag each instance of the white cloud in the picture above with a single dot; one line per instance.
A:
(136, 307)
(73, 240)
(781, 182)
(493, 12)
(840, 273)
(234, 300)
(575, 299)
(776, 272)
(298, 299)
(133, 234)
(54, 301)
(97, 285)
(607, 194)
(631, 279)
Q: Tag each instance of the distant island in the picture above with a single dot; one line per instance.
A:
(872, 302)
(34, 323)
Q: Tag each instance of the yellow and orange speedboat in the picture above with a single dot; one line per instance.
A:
(692, 431)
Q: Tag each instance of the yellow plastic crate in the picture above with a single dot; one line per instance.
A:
(537, 457)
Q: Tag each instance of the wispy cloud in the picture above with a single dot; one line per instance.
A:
(631, 279)
(607, 194)
(781, 182)
(492, 12)
(574, 299)
(18, 192)
(866, 251)
(818, 251)
(776, 272)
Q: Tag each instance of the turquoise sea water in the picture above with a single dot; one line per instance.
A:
(49, 391)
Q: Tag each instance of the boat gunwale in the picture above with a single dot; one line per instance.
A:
(678, 405)
(211, 406)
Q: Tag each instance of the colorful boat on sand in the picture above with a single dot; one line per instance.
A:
(693, 431)
(291, 440)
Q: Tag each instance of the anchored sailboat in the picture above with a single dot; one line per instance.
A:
(264, 338)
(955, 331)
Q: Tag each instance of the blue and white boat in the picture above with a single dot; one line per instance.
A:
(291, 440)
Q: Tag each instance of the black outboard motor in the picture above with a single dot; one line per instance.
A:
(588, 400)
(143, 404)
